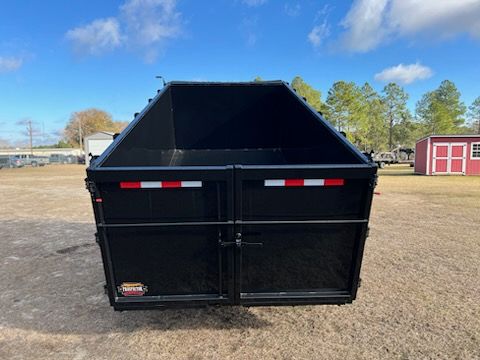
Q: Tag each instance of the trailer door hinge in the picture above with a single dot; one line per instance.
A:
(90, 186)
(374, 181)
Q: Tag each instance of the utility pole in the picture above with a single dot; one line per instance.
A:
(30, 134)
(390, 127)
(28, 126)
(80, 133)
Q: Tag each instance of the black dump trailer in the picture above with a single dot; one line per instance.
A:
(230, 194)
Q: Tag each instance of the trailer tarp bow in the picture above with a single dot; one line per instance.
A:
(230, 193)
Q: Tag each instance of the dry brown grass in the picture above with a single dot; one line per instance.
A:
(419, 297)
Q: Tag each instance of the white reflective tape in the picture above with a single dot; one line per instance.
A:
(191, 184)
(314, 182)
(169, 184)
(150, 184)
(292, 182)
(274, 182)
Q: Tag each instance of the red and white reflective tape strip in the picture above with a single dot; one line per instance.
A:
(305, 182)
(159, 184)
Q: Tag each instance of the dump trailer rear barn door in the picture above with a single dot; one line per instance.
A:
(244, 235)
(301, 234)
(165, 235)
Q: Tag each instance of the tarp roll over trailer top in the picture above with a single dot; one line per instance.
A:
(230, 193)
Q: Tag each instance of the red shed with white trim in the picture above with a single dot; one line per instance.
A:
(448, 154)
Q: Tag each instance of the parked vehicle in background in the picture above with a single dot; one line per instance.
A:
(58, 159)
(404, 155)
(10, 161)
(63, 159)
(384, 158)
(33, 160)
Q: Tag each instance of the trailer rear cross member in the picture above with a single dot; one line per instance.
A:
(230, 193)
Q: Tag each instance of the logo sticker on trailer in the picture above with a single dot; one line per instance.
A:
(132, 289)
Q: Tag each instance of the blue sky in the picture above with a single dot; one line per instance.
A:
(61, 56)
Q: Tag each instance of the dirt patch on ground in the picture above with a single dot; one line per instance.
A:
(419, 295)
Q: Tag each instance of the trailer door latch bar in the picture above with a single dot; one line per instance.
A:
(238, 242)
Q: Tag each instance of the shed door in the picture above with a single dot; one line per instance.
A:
(440, 158)
(458, 154)
(449, 158)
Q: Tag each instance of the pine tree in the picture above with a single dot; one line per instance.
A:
(395, 99)
(441, 111)
(375, 129)
(474, 115)
(312, 95)
(346, 110)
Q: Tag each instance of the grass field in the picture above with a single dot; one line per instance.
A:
(419, 297)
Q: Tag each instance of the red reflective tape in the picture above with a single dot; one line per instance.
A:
(171, 184)
(294, 182)
(98, 200)
(334, 182)
(130, 185)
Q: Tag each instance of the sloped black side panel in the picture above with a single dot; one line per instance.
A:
(305, 138)
(151, 141)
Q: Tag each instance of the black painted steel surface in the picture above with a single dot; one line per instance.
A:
(195, 222)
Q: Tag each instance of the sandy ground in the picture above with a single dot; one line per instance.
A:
(419, 297)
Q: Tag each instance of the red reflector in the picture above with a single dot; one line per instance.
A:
(334, 182)
(171, 184)
(98, 200)
(294, 182)
(130, 185)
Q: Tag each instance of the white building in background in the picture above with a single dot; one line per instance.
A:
(96, 144)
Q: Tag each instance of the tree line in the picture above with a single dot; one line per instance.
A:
(382, 121)
(371, 120)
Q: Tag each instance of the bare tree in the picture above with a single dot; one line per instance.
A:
(86, 122)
